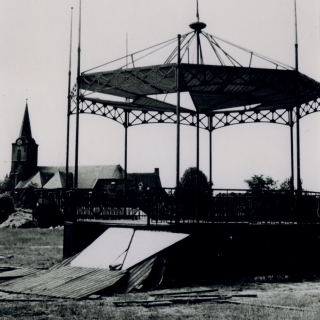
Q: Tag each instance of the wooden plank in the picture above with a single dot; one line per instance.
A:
(157, 304)
(245, 295)
(181, 292)
(192, 295)
(261, 305)
(171, 301)
(196, 299)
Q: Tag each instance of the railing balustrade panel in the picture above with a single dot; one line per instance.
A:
(185, 206)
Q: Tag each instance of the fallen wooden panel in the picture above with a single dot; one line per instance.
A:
(148, 243)
(65, 282)
(105, 249)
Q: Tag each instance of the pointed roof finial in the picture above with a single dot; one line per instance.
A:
(197, 26)
(25, 130)
(198, 10)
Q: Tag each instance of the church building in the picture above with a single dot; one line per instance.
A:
(25, 171)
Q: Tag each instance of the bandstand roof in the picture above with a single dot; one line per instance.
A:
(212, 87)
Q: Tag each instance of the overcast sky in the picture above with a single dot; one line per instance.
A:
(34, 60)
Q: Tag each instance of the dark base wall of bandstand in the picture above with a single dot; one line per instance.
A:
(223, 251)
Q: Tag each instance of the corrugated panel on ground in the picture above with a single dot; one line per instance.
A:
(17, 273)
(94, 282)
(65, 282)
(65, 262)
(139, 273)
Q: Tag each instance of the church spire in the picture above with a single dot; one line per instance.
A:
(26, 127)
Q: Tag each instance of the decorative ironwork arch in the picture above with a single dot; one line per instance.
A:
(219, 119)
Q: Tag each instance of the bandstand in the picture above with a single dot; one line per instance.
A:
(236, 225)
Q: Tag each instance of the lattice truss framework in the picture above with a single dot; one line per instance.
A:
(129, 118)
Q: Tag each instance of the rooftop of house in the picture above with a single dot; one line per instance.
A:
(88, 176)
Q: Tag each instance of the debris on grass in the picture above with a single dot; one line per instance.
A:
(188, 297)
(19, 219)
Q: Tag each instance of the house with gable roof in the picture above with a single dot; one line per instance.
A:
(25, 171)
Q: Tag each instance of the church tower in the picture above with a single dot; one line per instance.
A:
(24, 159)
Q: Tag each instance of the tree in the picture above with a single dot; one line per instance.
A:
(286, 184)
(5, 184)
(189, 179)
(6, 206)
(195, 194)
(258, 182)
(28, 197)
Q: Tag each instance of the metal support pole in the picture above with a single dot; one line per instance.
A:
(292, 151)
(198, 142)
(210, 151)
(125, 159)
(198, 47)
(299, 248)
(177, 195)
(198, 166)
(178, 116)
(78, 106)
(198, 135)
(69, 107)
(299, 186)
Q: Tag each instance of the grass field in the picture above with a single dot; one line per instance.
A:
(42, 248)
(37, 248)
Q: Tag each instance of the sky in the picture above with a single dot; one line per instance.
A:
(34, 62)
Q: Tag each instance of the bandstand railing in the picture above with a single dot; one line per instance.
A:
(175, 206)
